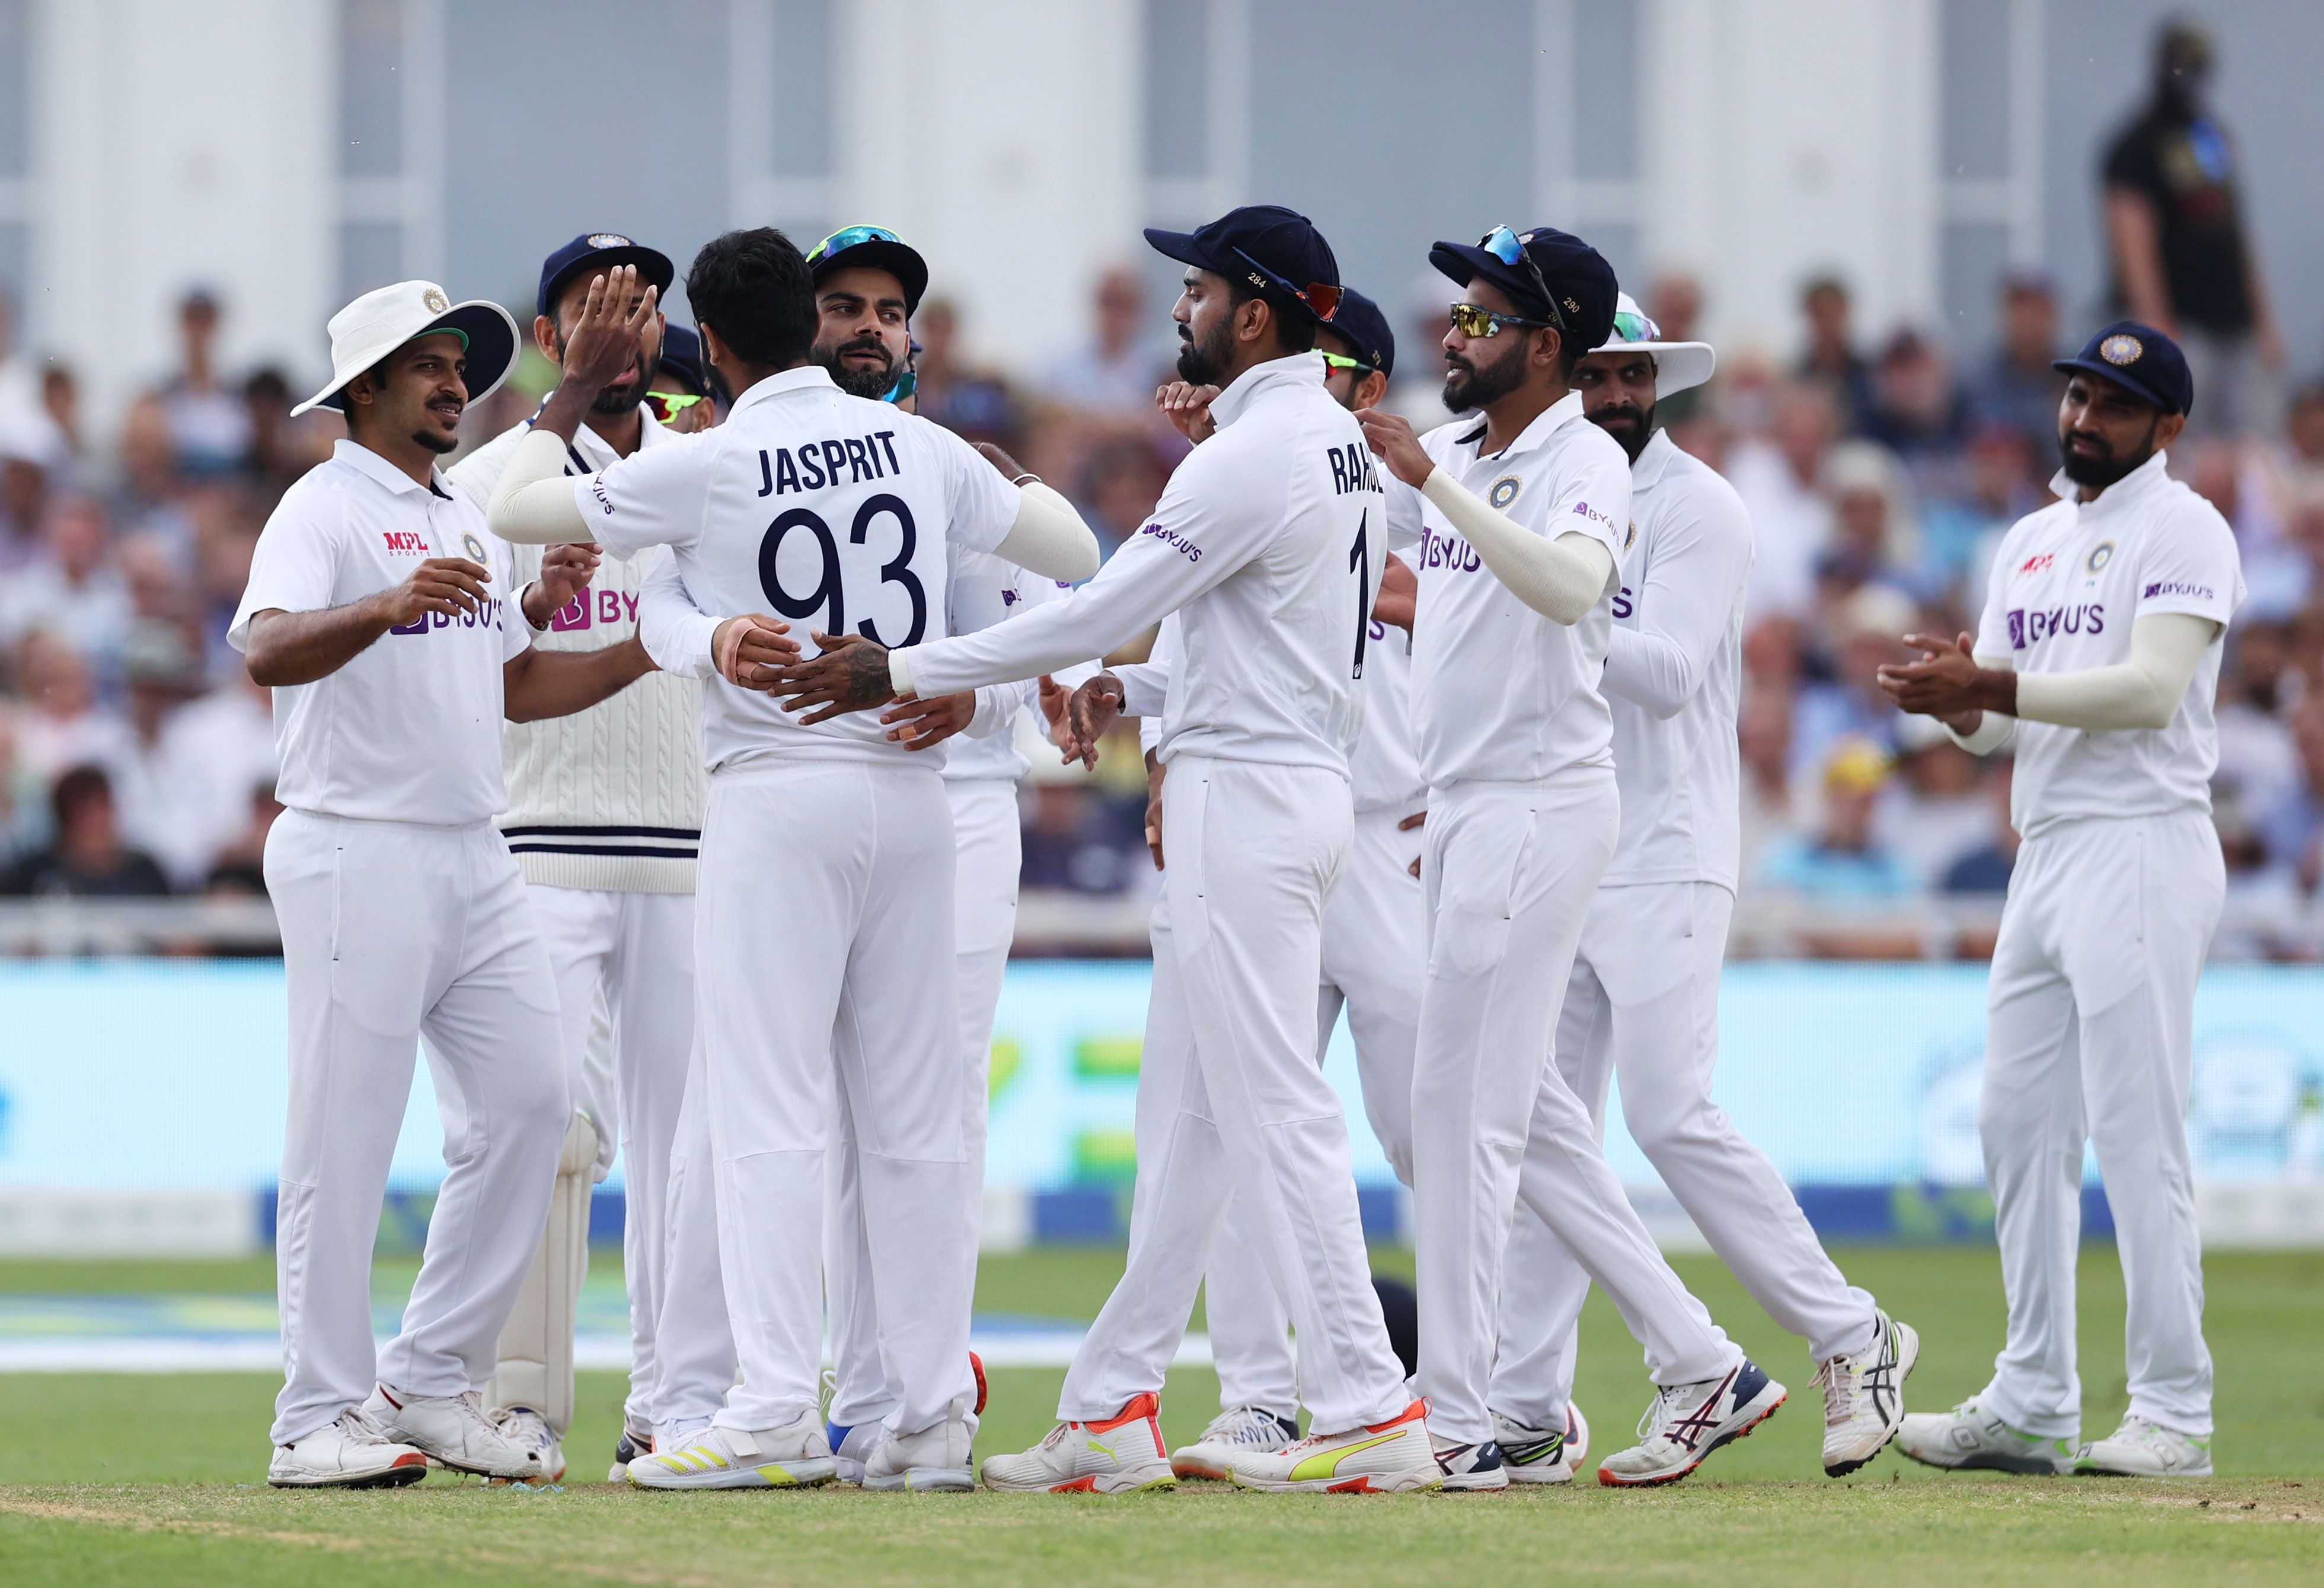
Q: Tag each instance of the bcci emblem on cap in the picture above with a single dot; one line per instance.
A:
(2121, 349)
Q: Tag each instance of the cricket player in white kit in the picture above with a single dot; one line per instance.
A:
(2104, 616)
(378, 610)
(827, 891)
(1372, 936)
(1521, 520)
(604, 818)
(1262, 544)
(1644, 998)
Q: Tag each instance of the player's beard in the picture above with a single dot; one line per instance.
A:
(613, 399)
(1471, 386)
(2103, 469)
(870, 383)
(1205, 363)
(436, 441)
(1628, 423)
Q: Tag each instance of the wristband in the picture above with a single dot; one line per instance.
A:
(538, 628)
(1028, 475)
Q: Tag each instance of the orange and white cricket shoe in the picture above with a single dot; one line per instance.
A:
(1119, 1456)
(1385, 1458)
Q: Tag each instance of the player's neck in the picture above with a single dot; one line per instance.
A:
(1508, 418)
(405, 453)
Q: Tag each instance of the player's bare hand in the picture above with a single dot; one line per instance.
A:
(916, 724)
(1187, 407)
(751, 648)
(604, 339)
(1093, 708)
(1399, 594)
(565, 572)
(850, 674)
(1405, 826)
(447, 585)
(1944, 682)
(1391, 436)
(1010, 469)
(1155, 770)
(1053, 696)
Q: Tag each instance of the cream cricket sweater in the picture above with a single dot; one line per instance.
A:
(610, 797)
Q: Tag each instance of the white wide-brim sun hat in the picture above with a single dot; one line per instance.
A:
(380, 321)
(1677, 365)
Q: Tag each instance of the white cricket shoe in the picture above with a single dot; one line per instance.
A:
(1117, 1455)
(1384, 1458)
(1864, 1396)
(528, 1426)
(350, 1452)
(2141, 1449)
(1968, 1438)
(1470, 1467)
(454, 1432)
(1687, 1422)
(1543, 1456)
(936, 1460)
(849, 1446)
(1234, 1430)
(793, 1457)
(632, 1445)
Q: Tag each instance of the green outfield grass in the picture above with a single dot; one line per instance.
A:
(159, 1480)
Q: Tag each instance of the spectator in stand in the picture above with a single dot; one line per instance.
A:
(88, 859)
(1962, 529)
(274, 459)
(973, 403)
(1933, 812)
(1842, 861)
(148, 491)
(61, 402)
(217, 748)
(240, 868)
(1762, 731)
(62, 724)
(1846, 704)
(1780, 478)
(1831, 361)
(2175, 232)
(1873, 539)
(2258, 764)
(2284, 578)
(1114, 377)
(2018, 388)
(72, 589)
(210, 421)
(1075, 839)
(1121, 482)
(23, 799)
(1985, 868)
(225, 524)
(2263, 920)
(2293, 830)
(150, 791)
(1917, 412)
(25, 457)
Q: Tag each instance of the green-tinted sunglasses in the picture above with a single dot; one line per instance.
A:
(1636, 327)
(667, 405)
(1342, 360)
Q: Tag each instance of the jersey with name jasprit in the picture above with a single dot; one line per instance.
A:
(410, 729)
(1266, 543)
(1501, 692)
(828, 511)
(2066, 586)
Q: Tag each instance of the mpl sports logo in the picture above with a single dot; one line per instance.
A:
(2031, 626)
(404, 543)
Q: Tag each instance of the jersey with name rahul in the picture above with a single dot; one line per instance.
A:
(2067, 584)
(409, 730)
(828, 511)
(1501, 692)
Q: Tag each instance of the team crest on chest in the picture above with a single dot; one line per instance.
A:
(2100, 555)
(472, 546)
(1504, 491)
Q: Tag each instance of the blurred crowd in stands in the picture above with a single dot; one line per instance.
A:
(137, 758)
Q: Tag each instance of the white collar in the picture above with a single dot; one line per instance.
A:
(1655, 459)
(2126, 492)
(364, 461)
(806, 377)
(1565, 411)
(1299, 369)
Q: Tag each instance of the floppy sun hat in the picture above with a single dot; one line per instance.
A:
(380, 321)
(1677, 365)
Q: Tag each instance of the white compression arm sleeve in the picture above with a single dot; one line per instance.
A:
(1993, 730)
(533, 504)
(2144, 692)
(1562, 579)
(1048, 537)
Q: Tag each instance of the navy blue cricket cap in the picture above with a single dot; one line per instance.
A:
(595, 252)
(2139, 359)
(681, 354)
(875, 248)
(1577, 273)
(1360, 323)
(1276, 252)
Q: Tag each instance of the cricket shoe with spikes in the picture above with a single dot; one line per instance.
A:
(1543, 1456)
(1687, 1422)
(2141, 1449)
(1864, 1396)
(350, 1452)
(793, 1457)
(454, 1432)
(632, 1445)
(1384, 1458)
(1970, 1438)
(1230, 1433)
(528, 1426)
(936, 1460)
(1119, 1455)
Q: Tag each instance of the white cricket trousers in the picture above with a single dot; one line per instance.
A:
(1509, 869)
(1372, 937)
(393, 934)
(1253, 852)
(1643, 1004)
(694, 1343)
(824, 948)
(986, 832)
(624, 968)
(2090, 1035)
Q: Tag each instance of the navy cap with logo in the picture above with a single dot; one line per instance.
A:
(595, 253)
(681, 356)
(1577, 275)
(1277, 252)
(877, 248)
(1364, 328)
(2139, 359)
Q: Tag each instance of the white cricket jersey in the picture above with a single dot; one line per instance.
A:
(829, 511)
(1673, 674)
(410, 729)
(984, 590)
(609, 797)
(1501, 692)
(2066, 586)
(1267, 543)
(1385, 769)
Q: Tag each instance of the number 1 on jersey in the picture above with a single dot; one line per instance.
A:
(1360, 563)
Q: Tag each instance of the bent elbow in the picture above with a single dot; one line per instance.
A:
(1083, 561)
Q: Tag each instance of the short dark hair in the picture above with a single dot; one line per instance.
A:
(77, 788)
(754, 289)
(1294, 331)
